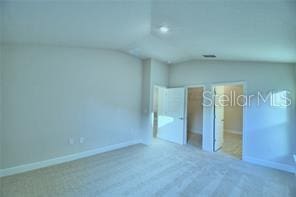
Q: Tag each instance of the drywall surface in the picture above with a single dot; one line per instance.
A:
(294, 137)
(195, 110)
(233, 111)
(159, 73)
(52, 94)
(269, 131)
(146, 134)
(1, 125)
(1, 63)
(158, 77)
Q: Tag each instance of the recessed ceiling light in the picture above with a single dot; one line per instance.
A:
(164, 29)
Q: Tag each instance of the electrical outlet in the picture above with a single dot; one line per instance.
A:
(81, 140)
(71, 141)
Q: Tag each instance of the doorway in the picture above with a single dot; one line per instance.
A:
(228, 119)
(194, 127)
(168, 114)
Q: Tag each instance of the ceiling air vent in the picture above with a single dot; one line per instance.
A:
(209, 56)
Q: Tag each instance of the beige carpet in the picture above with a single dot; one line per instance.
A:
(194, 139)
(232, 145)
(163, 169)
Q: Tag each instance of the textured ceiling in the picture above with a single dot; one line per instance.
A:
(232, 30)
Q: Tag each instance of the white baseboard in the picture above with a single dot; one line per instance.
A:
(63, 159)
(271, 164)
(233, 131)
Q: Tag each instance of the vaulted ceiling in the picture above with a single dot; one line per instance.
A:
(231, 29)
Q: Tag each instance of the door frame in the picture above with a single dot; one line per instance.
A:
(185, 111)
(231, 83)
(214, 118)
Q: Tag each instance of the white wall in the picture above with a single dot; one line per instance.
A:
(295, 110)
(53, 93)
(233, 114)
(1, 125)
(159, 73)
(195, 110)
(1, 62)
(269, 132)
(146, 96)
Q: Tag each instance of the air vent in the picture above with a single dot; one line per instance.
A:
(209, 56)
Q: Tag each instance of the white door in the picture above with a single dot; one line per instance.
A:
(218, 118)
(171, 115)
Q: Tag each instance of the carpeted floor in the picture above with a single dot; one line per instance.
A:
(232, 145)
(162, 169)
(194, 140)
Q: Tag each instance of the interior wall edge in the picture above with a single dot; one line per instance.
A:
(63, 159)
(65, 46)
(1, 110)
(201, 61)
(270, 164)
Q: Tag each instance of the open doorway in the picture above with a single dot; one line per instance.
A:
(195, 116)
(168, 114)
(228, 119)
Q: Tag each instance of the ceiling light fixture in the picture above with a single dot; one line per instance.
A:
(164, 29)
